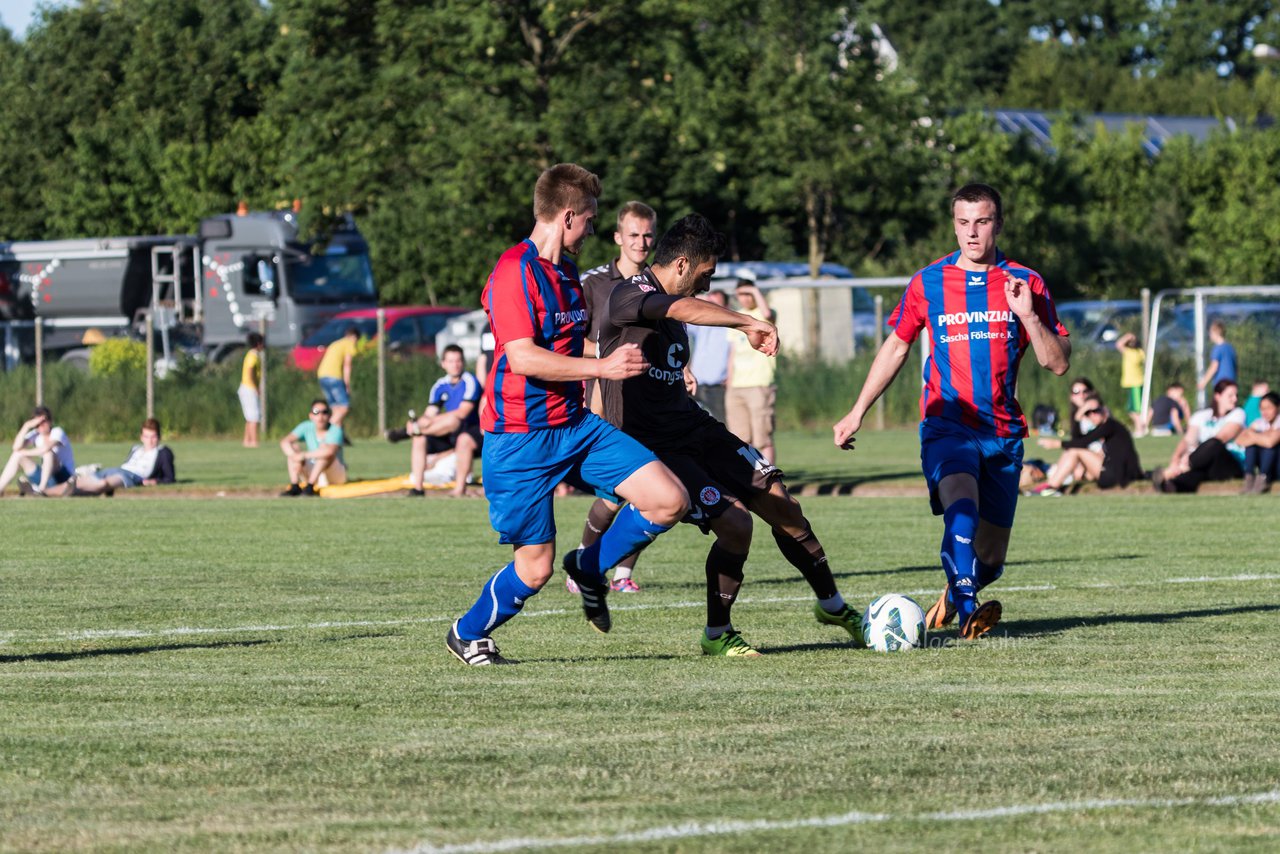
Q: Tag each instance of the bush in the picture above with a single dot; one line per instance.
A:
(118, 357)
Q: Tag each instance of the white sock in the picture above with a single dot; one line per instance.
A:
(832, 605)
(621, 573)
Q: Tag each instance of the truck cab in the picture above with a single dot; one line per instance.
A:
(256, 267)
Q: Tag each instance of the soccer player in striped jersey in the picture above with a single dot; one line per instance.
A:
(537, 430)
(982, 311)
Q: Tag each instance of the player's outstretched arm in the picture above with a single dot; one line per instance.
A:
(1053, 351)
(888, 362)
(530, 360)
(762, 334)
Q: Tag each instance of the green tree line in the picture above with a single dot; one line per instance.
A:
(792, 125)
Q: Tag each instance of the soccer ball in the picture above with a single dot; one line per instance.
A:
(893, 623)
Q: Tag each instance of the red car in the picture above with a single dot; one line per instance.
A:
(410, 329)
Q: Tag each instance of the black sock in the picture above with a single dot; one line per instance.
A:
(806, 554)
(724, 577)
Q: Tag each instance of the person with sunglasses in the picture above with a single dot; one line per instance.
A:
(318, 463)
(1116, 464)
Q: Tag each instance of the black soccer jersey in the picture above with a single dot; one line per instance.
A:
(597, 284)
(653, 407)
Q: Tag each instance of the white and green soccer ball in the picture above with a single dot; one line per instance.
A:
(893, 623)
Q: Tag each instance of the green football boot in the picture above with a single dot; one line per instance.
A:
(729, 644)
(847, 619)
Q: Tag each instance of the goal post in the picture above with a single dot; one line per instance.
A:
(1178, 336)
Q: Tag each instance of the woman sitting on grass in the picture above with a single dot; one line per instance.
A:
(1208, 451)
(1260, 441)
(1115, 465)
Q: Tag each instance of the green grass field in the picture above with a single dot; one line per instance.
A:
(261, 674)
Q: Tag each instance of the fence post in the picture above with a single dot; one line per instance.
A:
(151, 367)
(262, 380)
(39, 361)
(382, 371)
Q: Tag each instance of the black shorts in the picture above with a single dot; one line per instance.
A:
(716, 467)
(444, 444)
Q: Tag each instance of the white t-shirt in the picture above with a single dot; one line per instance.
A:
(1207, 426)
(141, 461)
(62, 452)
(1262, 425)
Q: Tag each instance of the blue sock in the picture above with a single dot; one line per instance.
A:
(988, 574)
(629, 533)
(501, 599)
(958, 559)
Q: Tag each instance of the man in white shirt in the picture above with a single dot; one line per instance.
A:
(42, 452)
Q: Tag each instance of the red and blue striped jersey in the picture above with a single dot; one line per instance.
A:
(529, 297)
(975, 341)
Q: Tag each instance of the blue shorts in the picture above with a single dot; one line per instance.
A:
(59, 475)
(521, 471)
(335, 391)
(130, 480)
(947, 447)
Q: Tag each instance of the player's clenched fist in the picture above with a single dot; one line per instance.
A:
(844, 430)
(626, 361)
(1018, 294)
(763, 337)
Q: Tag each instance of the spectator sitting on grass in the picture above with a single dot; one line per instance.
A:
(320, 464)
(1208, 451)
(42, 452)
(1260, 441)
(450, 425)
(1252, 404)
(148, 463)
(1115, 465)
(1168, 412)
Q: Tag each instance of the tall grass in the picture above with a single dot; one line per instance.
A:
(199, 400)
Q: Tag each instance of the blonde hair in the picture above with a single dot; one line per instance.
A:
(639, 210)
(564, 186)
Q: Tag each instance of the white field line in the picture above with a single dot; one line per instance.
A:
(187, 631)
(696, 830)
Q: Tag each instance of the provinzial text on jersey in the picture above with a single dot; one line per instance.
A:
(975, 317)
(575, 316)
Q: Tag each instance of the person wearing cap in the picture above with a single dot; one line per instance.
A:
(42, 452)
(751, 390)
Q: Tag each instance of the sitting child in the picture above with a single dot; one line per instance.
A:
(1260, 441)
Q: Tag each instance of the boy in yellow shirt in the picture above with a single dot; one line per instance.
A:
(249, 393)
(1133, 361)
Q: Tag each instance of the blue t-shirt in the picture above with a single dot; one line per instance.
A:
(449, 395)
(1225, 355)
(306, 431)
(711, 352)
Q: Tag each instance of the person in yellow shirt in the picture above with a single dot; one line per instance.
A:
(1133, 361)
(751, 390)
(335, 373)
(249, 393)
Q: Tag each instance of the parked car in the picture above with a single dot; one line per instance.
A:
(1098, 323)
(410, 329)
(1264, 317)
(465, 330)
